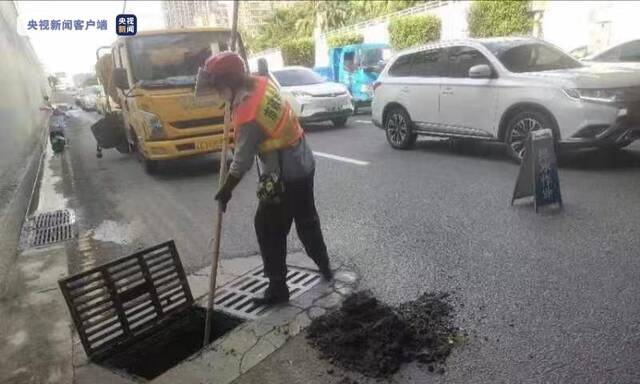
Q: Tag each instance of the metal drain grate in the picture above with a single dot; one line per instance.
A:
(52, 219)
(118, 303)
(50, 227)
(44, 236)
(236, 297)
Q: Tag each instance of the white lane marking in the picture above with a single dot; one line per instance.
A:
(341, 158)
(364, 121)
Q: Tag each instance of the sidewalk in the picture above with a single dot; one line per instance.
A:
(34, 325)
(238, 351)
(34, 321)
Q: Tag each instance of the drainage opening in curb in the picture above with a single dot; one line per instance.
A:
(163, 350)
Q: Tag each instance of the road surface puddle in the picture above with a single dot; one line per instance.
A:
(115, 232)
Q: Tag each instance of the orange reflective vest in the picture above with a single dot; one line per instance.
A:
(266, 107)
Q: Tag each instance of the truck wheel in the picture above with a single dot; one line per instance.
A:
(397, 125)
(150, 166)
(339, 122)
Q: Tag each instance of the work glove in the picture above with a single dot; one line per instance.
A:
(224, 193)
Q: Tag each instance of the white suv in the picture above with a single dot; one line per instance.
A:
(501, 89)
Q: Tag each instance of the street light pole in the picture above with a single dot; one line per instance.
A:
(234, 25)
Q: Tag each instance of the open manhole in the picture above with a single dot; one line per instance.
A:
(236, 298)
(176, 341)
(49, 228)
(136, 314)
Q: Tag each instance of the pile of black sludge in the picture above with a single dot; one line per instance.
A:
(372, 338)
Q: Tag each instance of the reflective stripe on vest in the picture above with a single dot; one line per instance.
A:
(266, 107)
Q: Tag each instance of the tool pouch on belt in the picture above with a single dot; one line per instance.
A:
(270, 185)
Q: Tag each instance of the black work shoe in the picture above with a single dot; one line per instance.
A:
(274, 294)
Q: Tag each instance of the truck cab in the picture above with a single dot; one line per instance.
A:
(357, 66)
(155, 74)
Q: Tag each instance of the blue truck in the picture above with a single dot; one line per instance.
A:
(357, 66)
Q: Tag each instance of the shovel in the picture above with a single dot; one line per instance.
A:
(217, 227)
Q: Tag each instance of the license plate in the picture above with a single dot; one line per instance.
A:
(334, 108)
(206, 145)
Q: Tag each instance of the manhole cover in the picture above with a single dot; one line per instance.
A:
(236, 297)
(118, 303)
(49, 228)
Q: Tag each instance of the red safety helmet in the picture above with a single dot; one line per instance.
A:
(219, 65)
(224, 63)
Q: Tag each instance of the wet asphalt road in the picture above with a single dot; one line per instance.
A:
(550, 297)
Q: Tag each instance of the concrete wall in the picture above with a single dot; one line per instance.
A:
(273, 57)
(568, 24)
(453, 15)
(596, 24)
(22, 84)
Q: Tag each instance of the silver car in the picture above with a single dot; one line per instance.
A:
(501, 89)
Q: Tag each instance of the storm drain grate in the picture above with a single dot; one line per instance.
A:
(44, 236)
(235, 298)
(49, 228)
(52, 219)
(121, 302)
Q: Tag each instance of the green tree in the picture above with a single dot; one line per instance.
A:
(300, 20)
(499, 18)
(409, 31)
(298, 52)
(332, 14)
(280, 27)
(362, 10)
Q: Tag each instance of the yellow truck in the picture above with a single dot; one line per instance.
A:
(151, 78)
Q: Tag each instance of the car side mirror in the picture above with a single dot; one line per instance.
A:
(482, 71)
(263, 67)
(119, 76)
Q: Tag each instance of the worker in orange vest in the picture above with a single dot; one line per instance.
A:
(265, 128)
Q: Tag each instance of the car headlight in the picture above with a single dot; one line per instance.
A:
(153, 122)
(300, 94)
(602, 95)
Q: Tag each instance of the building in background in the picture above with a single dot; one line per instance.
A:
(202, 13)
(198, 13)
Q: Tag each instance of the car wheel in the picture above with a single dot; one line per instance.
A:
(519, 127)
(398, 129)
(339, 122)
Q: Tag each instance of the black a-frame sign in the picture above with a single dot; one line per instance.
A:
(538, 177)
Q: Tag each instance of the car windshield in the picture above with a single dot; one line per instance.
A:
(531, 57)
(372, 57)
(173, 59)
(293, 77)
